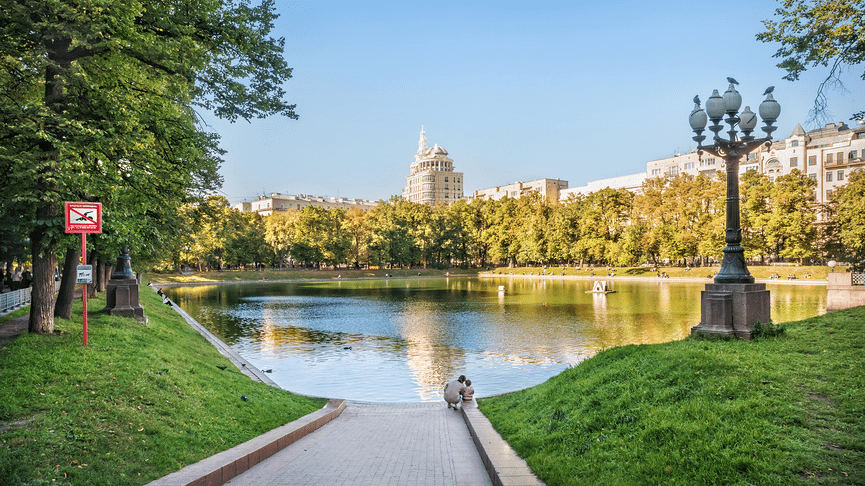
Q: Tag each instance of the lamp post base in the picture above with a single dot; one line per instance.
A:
(732, 309)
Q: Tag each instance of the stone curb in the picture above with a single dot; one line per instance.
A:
(226, 465)
(503, 465)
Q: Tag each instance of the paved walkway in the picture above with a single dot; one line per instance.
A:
(378, 444)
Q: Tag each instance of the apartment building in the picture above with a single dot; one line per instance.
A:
(550, 189)
(266, 205)
(432, 179)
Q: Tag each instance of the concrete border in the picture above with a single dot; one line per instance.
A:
(220, 468)
(503, 464)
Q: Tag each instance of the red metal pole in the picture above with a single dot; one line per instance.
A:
(84, 288)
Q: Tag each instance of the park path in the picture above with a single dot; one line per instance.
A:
(378, 444)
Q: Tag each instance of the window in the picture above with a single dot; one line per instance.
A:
(828, 194)
(812, 160)
(656, 172)
(828, 177)
(446, 187)
(771, 178)
(689, 165)
(674, 170)
(828, 159)
(794, 143)
(839, 159)
(813, 176)
(852, 155)
(794, 161)
(446, 179)
(840, 175)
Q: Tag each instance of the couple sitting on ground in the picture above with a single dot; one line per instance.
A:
(459, 390)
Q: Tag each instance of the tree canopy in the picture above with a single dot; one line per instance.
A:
(813, 33)
(98, 103)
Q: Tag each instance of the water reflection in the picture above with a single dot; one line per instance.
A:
(401, 340)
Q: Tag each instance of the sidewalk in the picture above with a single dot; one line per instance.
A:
(378, 444)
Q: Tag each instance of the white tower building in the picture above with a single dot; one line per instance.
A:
(432, 179)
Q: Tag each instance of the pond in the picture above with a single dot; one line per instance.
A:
(400, 340)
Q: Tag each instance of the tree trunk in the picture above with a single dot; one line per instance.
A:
(103, 276)
(63, 306)
(92, 259)
(42, 295)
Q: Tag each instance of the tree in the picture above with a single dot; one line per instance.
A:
(850, 215)
(791, 230)
(97, 104)
(818, 33)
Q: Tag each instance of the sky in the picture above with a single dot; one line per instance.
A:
(514, 91)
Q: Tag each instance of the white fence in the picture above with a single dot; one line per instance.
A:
(18, 298)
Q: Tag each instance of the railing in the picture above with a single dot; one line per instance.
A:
(859, 279)
(18, 298)
(13, 300)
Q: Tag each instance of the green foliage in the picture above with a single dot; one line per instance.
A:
(818, 33)
(98, 104)
(850, 215)
(137, 403)
(766, 330)
(768, 411)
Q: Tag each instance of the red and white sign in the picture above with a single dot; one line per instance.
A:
(83, 217)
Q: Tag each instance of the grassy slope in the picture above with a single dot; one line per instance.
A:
(139, 402)
(784, 410)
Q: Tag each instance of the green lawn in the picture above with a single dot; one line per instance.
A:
(139, 402)
(781, 410)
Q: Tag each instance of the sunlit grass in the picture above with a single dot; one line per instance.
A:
(137, 403)
(303, 274)
(782, 410)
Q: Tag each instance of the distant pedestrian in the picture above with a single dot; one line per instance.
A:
(453, 390)
(16, 278)
(469, 392)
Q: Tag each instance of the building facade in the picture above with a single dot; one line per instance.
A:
(828, 155)
(432, 179)
(630, 182)
(276, 203)
(550, 189)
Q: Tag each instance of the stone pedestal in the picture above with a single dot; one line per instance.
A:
(732, 309)
(121, 295)
(121, 298)
(843, 292)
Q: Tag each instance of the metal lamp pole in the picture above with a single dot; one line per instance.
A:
(733, 268)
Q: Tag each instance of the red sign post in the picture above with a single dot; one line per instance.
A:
(83, 217)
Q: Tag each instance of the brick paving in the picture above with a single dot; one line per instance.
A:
(378, 444)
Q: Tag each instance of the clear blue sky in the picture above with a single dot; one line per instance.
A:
(514, 91)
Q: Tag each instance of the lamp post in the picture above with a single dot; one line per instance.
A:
(734, 302)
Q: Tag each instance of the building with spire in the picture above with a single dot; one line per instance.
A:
(432, 179)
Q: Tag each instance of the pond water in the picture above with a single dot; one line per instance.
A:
(400, 340)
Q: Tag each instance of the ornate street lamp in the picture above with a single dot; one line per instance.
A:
(733, 286)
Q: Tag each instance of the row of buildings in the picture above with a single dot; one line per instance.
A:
(828, 155)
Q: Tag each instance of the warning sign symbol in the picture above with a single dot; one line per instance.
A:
(83, 217)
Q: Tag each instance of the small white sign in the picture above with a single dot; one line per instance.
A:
(85, 274)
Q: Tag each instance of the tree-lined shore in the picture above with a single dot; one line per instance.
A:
(670, 221)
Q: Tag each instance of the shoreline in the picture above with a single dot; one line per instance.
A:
(158, 284)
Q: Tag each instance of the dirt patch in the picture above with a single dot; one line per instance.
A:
(13, 424)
